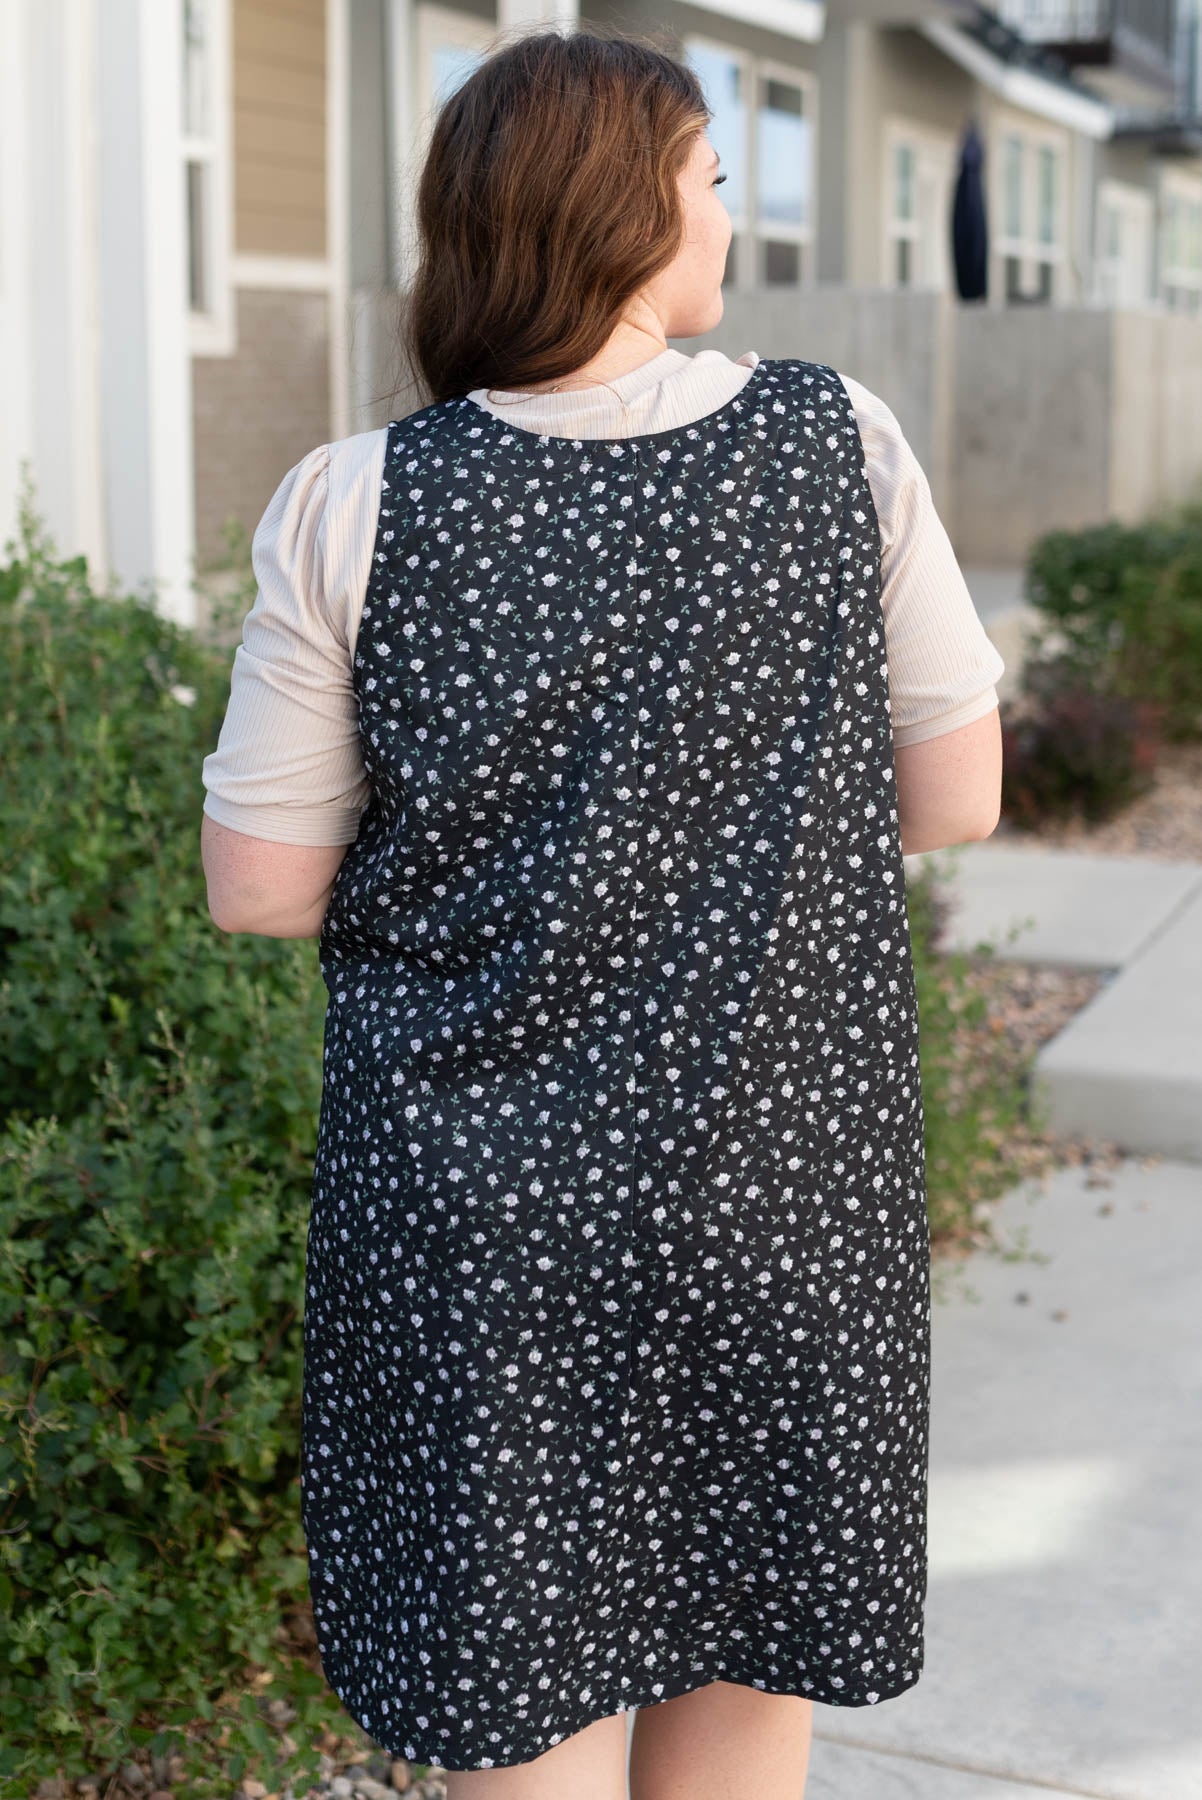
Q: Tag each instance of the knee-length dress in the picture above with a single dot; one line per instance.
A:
(617, 1301)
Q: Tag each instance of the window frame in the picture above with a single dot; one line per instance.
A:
(1175, 187)
(938, 151)
(1134, 205)
(1032, 253)
(748, 233)
(211, 330)
(432, 21)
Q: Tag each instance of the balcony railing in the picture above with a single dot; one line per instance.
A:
(1087, 21)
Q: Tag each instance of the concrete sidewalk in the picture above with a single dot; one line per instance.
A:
(1128, 1068)
(1064, 1607)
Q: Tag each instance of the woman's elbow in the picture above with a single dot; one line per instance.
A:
(267, 889)
(949, 788)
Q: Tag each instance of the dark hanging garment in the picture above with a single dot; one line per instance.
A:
(617, 1308)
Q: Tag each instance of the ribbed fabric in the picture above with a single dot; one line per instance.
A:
(288, 765)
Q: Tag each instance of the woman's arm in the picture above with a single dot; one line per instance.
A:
(268, 889)
(286, 785)
(943, 667)
(949, 788)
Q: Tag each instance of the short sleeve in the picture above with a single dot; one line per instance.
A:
(288, 765)
(943, 666)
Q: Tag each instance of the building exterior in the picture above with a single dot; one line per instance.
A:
(174, 267)
(205, 225)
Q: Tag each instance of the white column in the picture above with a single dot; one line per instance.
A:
(16, 420)
(338, 183)
(146, 387)
(47, 276)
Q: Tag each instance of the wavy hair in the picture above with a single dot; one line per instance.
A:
(547, 199)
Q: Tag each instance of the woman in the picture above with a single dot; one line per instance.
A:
(563, 719)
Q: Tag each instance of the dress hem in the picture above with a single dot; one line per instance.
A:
(592, 1715)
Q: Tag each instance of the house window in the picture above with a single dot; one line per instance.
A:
(918, 175)
(205, 115)
(1181, 250)
(1123, 266)
(449, 46)
(905, 219)
(763, 128)
(1031, 239)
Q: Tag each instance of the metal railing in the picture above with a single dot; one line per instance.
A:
(1066, 20)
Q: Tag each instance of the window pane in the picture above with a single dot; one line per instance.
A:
(783, 150)
(452, 64)
(1014, 187)
(903, 172)
(904, 267)
(780, 263)
(1047, 194)
(197, 40)
(198, 274)
(721, 78)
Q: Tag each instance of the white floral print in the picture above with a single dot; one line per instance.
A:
(617, 1304)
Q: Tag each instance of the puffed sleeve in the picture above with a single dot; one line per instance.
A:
(288, 765)
(943, 666)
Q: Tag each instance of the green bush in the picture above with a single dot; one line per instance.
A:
(1075, 751)
(160, 1083)
(1125, 601)
(977, 1105)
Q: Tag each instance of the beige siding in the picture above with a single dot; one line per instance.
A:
(256, 413)
(280, 127)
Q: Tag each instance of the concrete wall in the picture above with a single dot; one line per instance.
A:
(901, 345)
(1070, 417)
(1156, 419)
(1031, 426)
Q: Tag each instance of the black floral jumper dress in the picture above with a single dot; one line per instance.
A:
(617, 1300)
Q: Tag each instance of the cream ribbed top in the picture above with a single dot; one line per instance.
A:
(288, 765)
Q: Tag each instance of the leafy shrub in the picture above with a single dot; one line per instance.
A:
(977, 1103)
(1124, 606)
(1070, 749)
(159, 1084)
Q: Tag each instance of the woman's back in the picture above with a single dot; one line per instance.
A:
(617, 1260)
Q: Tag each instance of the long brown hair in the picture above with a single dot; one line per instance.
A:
(548, 197)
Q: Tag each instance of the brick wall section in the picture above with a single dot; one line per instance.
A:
(256, 413)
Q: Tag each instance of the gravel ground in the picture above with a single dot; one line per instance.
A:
(357, 1775)
(1165, 823)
